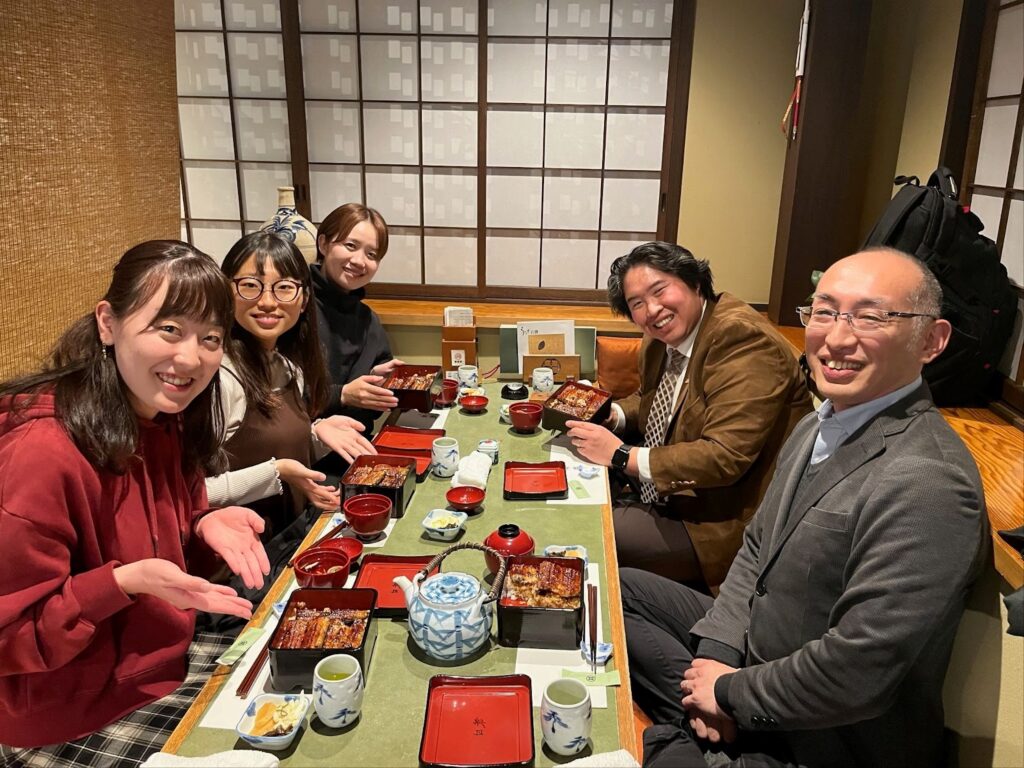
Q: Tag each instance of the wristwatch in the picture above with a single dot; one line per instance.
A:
(621, 456)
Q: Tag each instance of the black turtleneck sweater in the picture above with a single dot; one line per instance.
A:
(353, 341)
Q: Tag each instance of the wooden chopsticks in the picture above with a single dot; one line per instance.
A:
(592, 625)
(329, 535)
(254, 671)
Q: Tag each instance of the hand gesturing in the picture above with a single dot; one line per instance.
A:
(234, 534)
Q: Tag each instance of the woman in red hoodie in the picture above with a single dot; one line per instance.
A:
(102, 502)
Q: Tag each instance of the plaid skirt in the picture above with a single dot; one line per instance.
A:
(130, 740)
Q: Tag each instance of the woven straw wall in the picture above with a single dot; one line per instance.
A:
(88, 157)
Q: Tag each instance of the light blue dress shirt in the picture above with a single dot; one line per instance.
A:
(835, 428)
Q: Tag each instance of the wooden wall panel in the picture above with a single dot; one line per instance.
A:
(88, 157)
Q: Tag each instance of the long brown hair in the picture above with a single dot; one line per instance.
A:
(91, 399)
(339, 222)
(300, 344)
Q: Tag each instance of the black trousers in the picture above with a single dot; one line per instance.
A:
(658, 615)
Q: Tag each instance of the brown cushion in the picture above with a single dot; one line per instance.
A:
(618, 364)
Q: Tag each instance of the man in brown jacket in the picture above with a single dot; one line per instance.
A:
(720, 391)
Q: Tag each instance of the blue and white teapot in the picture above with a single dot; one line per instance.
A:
(449, 613)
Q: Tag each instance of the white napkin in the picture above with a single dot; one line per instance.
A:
(235, 758)
(473, 470)
(618, 759)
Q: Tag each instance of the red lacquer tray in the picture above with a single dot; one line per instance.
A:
(377, 572)
(478, 721)
(410, 442)
(540, 480)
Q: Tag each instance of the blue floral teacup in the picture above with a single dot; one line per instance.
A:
(338, 690)
(565, 716)
(444, 456)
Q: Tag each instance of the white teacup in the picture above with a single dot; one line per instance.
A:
(338, 690)
(565, 716)
(444, 456)
(469, 375)
(543, 379)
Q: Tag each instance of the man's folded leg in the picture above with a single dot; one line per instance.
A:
(658, 614)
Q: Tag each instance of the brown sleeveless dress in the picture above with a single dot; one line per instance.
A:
(285, 434)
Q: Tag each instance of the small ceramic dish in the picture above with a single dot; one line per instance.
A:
(567, 550)
(465, 498)
(247, 723)
(604, 651)
(444, 524)
(463, 391)
(587, 471)
(503, 414)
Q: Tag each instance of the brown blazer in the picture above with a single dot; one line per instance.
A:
(742, 395)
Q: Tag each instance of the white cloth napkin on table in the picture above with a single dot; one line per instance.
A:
(473, 470)
(618, 759)
(235, 758)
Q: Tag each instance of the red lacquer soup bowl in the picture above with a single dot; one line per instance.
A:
(322, 568)
(367, 513)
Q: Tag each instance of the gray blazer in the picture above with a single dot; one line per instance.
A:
(844, 608)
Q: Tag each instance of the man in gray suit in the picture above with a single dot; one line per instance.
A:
(829, 640)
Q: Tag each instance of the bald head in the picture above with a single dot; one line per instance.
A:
(900, 274)
(854, 365)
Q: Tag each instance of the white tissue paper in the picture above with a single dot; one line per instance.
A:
(618, 759)
(473, 470)
(235, 758)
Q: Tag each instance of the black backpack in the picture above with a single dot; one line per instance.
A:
(929, 223)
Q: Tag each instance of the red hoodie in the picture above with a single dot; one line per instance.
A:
(77, 653)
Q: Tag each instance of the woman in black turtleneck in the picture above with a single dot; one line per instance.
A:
(351, 241)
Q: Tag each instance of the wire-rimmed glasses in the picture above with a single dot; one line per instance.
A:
(869, 320)
(251, 288)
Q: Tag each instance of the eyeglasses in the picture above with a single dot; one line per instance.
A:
(251, 288)
(861, 321)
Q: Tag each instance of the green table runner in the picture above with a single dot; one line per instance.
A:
(389, 730)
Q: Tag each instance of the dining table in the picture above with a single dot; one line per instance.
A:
(391, 725)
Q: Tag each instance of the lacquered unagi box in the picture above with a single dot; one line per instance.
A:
(576, 402)
(523, 625)
(418, 398)
(293, 666)
(399, 495)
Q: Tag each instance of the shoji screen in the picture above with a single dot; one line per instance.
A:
(512, 146)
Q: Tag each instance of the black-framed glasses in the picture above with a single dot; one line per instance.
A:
(862, 321)
(251, 288)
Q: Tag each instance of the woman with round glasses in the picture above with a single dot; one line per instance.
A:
(351, 241)
(272, 379)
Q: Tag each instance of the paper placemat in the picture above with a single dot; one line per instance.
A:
(582, 490)
(226, 709)
(545, 665)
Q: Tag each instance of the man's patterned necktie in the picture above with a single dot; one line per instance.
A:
(661, 412)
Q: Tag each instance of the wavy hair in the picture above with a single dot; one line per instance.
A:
(664, 257)
(300, 344)
(91, 399)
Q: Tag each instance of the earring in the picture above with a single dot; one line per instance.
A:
(104, 348)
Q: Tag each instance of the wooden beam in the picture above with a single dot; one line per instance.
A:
(819, 213)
